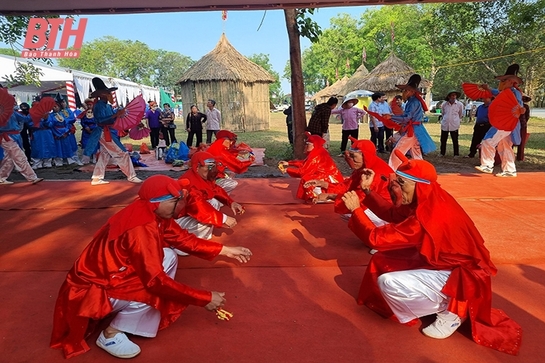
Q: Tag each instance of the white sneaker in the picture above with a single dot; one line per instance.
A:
(444, 325)
(135, 180)
(507, 174)
(484, 169)
(99, 182)
(5, 182)
(119, 346)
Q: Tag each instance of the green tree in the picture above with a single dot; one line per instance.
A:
(10, 51)
(130, 60)
(12, 32)
(486, 37)
(169, 67)
(275, 89)
(126, 59)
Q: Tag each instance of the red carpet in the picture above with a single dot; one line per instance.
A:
(294, 302)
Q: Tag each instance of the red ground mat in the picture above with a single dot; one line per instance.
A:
(294, 301)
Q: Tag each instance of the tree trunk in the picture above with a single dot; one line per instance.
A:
(297, 86)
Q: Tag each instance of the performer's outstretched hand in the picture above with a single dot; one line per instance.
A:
(217, 301)
(120, 112)
(351, 200)
(237, 208)
(367, 178)
(230, 222)
(316, 183)
(241, 254)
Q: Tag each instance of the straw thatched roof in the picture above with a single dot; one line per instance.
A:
(353, 82)
(387, 74)
(335, 89)
(225, 63)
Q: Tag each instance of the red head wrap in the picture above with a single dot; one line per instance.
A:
(419, 171)
(226, 134)
(154, 190)
(316, 140)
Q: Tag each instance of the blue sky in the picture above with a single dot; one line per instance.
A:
(196, 33)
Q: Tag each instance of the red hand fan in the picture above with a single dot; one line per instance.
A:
(7, 102)
(387, 122)
(139, 132)
(504, 111)
(475, 91)
(132, 116)
(40, 109)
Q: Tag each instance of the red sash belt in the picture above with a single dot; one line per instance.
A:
(409, 127)
(107, 133)
(5, 135)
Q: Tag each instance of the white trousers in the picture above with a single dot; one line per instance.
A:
(372, 216)
(122, 159)
(414, 293)
(14, 157)
(227, 184)
(404, 145)
(199, 229)
(502, 142)
(138, 318)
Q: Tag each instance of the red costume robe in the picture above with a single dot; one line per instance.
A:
(370, 161)
(200, 192)
(222, 155)
(317, 165)
(124, 261)
(438, 235)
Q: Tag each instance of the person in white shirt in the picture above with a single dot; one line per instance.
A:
(380, 106)
(452, 111)
(213, 120)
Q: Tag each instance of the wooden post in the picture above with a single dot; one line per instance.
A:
(297, 86)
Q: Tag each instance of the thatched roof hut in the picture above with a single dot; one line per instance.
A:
(385, 76)
(353, 82)
(239, 87)
(335, 90)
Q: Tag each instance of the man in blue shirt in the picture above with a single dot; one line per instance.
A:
(380, 106)
(482, 125)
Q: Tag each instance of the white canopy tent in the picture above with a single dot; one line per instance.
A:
(54, 79)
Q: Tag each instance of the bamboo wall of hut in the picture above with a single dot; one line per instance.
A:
(243, 107)
(239, 87)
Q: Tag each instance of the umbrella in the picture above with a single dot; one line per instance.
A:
(132, 116)
(475, 91)
(358, 94)
(7, 102)
(40, 109)
(504, 111)
(139, 132)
